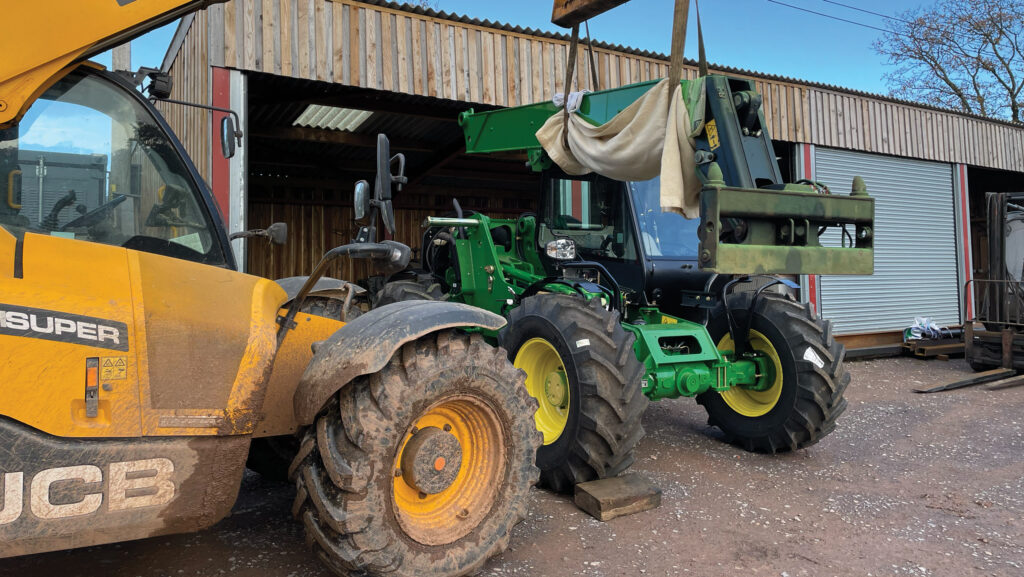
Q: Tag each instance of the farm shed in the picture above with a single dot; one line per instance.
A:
(315, 80)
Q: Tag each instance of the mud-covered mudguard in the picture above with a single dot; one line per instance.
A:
(325, 287)
(366, 344)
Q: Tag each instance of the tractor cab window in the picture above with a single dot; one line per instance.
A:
(663, 234)
(89, 162)
(593, 212)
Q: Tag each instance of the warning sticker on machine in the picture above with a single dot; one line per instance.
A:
(712, 128)
(113, 369)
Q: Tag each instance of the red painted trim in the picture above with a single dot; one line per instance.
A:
(964, 211)
(812, 279)
(807, 162)
(220, 168)
(577, 200)
(812, 291)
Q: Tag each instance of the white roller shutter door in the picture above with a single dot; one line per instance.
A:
(915, 244)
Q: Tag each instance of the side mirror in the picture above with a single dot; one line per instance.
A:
(385, 178)
(361, 200)
(382, 193)
(383, 184)
(227, 136)
(278, 233)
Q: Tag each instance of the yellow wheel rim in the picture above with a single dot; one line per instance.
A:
(747, 402)
(447, 516)
(547, 382)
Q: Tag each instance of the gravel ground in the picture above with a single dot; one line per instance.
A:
(906, 485)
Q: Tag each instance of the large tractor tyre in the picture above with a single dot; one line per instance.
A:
(409, 290)
(422, 468)
(806, 396)
(581, 368)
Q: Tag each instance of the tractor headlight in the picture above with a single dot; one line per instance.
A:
(561, 249)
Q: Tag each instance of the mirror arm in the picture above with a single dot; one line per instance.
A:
(247, 234)
(238, 133)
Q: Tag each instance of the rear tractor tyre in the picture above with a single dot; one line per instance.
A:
(581, 368)
(806, 397)
(422, 468)
(409, 290)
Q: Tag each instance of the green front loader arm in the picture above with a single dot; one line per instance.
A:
(751, 221)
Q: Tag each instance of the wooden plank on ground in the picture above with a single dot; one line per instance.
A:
(606, 499)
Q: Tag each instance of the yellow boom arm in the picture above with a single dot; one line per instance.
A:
(44, 37)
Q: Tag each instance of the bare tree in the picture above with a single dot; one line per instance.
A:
(963, 54)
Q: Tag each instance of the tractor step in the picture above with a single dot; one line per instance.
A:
(606, 499)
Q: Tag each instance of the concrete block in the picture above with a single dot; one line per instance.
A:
(617, 496)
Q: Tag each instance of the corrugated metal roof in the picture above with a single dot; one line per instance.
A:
(332, 117)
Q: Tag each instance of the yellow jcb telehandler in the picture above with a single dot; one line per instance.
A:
(138, 364)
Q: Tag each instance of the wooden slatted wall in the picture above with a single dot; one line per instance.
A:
(383, 48)
(316, 225)
(191, 76)
(319, 216)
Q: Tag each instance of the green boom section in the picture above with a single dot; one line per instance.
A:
(751, 222)
(679, 357)
(514, 129)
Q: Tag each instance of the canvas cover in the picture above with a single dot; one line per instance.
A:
(653, 136)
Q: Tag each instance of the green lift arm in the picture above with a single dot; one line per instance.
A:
(751, 221)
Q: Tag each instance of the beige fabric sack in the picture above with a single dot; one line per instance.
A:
(647, 139)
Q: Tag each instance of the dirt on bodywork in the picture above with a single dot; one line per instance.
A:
(907, 485)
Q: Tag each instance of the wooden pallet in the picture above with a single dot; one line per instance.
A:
(930, 348)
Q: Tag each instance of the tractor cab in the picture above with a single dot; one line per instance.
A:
(621, 226)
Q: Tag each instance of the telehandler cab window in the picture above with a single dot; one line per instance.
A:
(89, 162)
(593, 213)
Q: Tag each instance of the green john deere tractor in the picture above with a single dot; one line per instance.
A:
(612, 303)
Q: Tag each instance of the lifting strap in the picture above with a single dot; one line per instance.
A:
(570, 69)
(679, 20)
(675, 68)
(596, 85)
(702, 59)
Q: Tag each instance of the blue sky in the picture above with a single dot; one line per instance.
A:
(753, 34)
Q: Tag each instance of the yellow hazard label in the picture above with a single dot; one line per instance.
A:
(113, 368)
(712, 130)
(668, 320)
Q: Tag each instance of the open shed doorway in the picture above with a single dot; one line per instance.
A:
(309, 142)
(981, 181)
